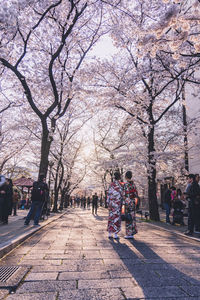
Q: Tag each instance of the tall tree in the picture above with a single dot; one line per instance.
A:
(46, 51)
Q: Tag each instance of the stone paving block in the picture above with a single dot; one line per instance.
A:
(46, 286)
(109, 254)
(83, 275)
(89, 247)
(193, 281)
(71, 256)
(40, 262)
(154, 261)
(91, 267)
(181, 273)
(127, 262)
(51, 251)
(39, 256)
(193, 291)
(118, 267)
(154, 292)
(33, 296)
(62, 268)
(96, 294)
(41, 276)
(120, 274)
(91, 256)
(103, 283)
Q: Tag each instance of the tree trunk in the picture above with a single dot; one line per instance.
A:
(55, 203)
(45, 148)
(62, 200)
(186, 158)
(152, 189)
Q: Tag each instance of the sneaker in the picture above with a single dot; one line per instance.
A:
(116, 236)
(26, 224)
(168, 223)
(128, 237)
(188, 233)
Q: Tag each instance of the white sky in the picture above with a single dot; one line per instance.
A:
(104, 48)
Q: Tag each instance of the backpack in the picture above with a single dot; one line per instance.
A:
(38, 192)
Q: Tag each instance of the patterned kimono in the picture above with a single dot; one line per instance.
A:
(114, 201)
(130, 192)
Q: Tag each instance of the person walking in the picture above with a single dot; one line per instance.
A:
(193, 197)
(114, 202)
(167, 204)
(130, 195)
(94, 204)
(39, 195)
(88, 202)
(16, 198)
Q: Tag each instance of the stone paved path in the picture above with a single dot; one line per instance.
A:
(72, 258)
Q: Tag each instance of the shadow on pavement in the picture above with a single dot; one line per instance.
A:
(155, 276)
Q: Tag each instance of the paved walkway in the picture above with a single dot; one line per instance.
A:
(15, 232)
(72, 258)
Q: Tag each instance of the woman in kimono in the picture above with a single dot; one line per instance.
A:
(114, 201)
(130, 195)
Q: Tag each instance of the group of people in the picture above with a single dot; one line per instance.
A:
(83, 202)
(10, 196)
(122, 194)
(8, 199)
(176, 200)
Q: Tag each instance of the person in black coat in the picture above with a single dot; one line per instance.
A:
(10, 195)
(94, 203)
(4, 203)
(39, 195)
(193, 196)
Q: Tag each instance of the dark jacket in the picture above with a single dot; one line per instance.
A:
(167, 197)
(39, 191)
(194, 193)
(4, 202)
(94, 199)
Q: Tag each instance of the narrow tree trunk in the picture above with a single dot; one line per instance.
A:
(55, 204)
(152, 189)
(186, 158)
(45, 148)
(62, 200)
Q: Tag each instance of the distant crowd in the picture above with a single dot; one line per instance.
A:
(86, 202)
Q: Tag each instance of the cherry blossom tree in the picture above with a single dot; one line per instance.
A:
(43, 52)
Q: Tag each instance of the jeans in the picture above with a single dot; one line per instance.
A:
(14, 206)
(167, 209)
(36, 208)
(94, 208)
